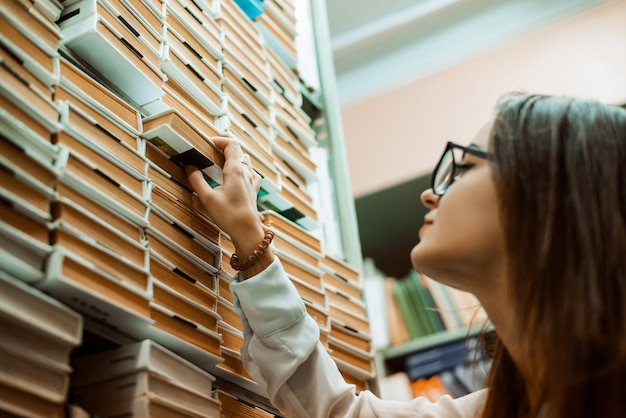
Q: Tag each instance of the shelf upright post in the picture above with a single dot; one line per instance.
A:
(334, 142)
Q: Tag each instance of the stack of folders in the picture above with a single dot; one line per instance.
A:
(38, 335)
(142, 379)
(235, 408)
(350, 337)
(279, 22)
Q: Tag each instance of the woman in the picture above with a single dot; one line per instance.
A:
(530, 217)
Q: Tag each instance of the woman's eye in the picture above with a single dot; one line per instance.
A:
(462, 168)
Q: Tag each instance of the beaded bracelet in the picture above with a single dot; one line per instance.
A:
(239, 265)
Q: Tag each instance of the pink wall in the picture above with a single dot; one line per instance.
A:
(399, 135)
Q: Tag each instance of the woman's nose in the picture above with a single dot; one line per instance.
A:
(429, 198)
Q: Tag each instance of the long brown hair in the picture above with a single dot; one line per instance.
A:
(560, 170)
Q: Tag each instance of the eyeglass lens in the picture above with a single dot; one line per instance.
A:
(443, 175)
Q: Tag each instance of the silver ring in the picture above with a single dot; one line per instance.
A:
(244, 161)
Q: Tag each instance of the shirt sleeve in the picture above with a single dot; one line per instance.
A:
(282, 353)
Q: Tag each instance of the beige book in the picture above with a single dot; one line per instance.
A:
(95, 293)
(310, 294)
(182, 262)
(342, 285)
(84, 84)
(234, 408)
(224, 292)
(100, 161)
(232, 363)
(171, 229)
(102, 121)
(108, 216)
(104, 186)
(340, 268)
(100, 256)
(33, 22)
(355, 322)
(85, 127)
(278, 222)
(19, 402)
(345, 302)
(21, 186)
(194, 220)
(16, 113)
(357, 358)
(39, 313)
(99, 396)
(360, 383)
(348, 336)
(22, 45)
(177, 280)
(203, 27)
(18, 154)
(23, 72)
(296, 251)
(294, 268)
(184, 307)
(11, 213)
(178, 136)
(229, 315)
(145, 355)
(43, 109)
(186, 330)
(83, 221)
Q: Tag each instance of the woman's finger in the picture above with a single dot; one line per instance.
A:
(198, 183)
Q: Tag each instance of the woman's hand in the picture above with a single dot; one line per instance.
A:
(232, 205)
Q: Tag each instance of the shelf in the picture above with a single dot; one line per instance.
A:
(430, 341)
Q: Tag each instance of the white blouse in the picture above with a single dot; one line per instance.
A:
(282, 353)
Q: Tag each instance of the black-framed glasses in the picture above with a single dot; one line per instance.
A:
(451, 166)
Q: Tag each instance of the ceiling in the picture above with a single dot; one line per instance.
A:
(380, 45)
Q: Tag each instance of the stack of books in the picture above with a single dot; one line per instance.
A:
(350, 338)
(279, 22)
(142, 379)
(233, 407)
(38, 335)
(104, 104)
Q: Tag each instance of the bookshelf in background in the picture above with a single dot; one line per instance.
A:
(103, 104)
(426, 342)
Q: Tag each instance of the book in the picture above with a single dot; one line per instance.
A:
(86, 247)
(183, 72)
(296, 250)
(31, 21)
(83, 128)
(18, 402)
(183, 262)
(39, 314)
(143, 383)
(362, 360)
(200, 24)
(349, 320)
(40, 376)
(144, 355)
(82, 221)
(229, 315)
(41, 62)
(82, 87)
(23, 68)
(340, 268)
(348, 336)
(173, 134)
(305, 273)
(233, 407)
(309, 293)
(153, 406)
(170, 276)
(92, 33)
(184, 307)
(398, 330)
(12, 213)
(182, 213)
(35, 104)
(110, 216)
(95, 293)
(21, 255)
(181, 328)
(96, 185)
